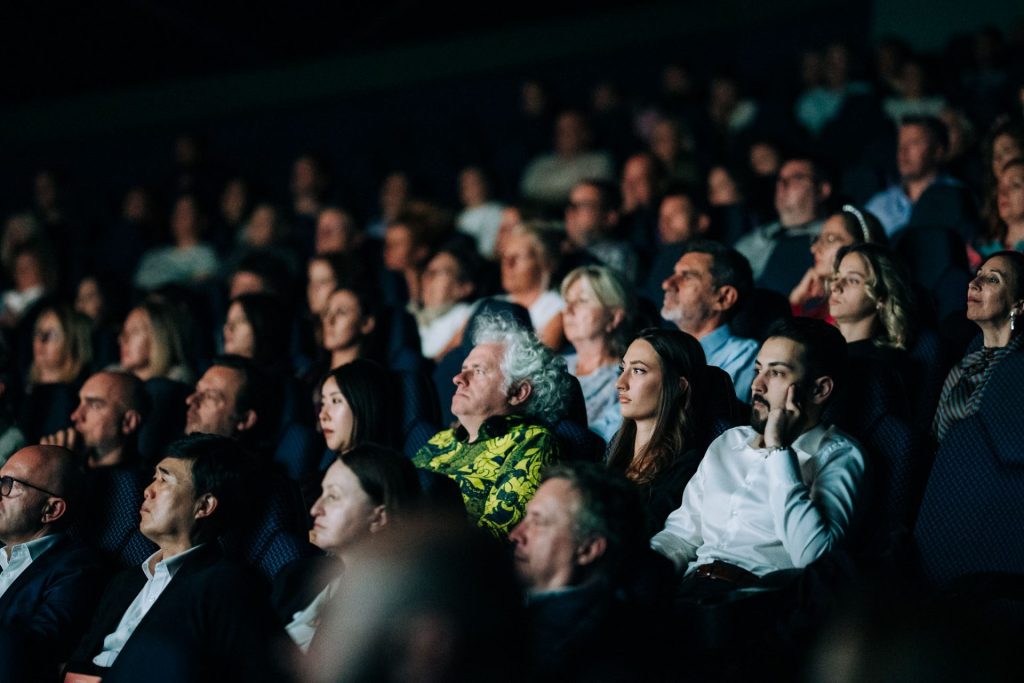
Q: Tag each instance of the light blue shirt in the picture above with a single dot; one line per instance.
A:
(735, 355)
(604, 416)
(158, 580)
(22, 555)
(893, 207)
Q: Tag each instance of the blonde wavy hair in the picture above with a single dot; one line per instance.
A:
(889, 286)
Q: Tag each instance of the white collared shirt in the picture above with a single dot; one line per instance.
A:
(157, 581)
(765, 510)
(22, 555)
(305, 622)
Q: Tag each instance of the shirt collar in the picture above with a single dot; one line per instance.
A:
(171, 565)
(491, 428)
(33, 548)
(716, 339)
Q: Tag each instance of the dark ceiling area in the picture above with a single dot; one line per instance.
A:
(53, 49)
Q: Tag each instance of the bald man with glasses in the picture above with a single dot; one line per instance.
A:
(49, 583)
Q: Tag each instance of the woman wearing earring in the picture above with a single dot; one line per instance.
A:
(849, 226)
(995, 302)
(663, 372)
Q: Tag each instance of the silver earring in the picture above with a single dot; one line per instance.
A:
(1013, 320)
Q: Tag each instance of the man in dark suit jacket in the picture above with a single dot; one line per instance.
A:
(188, 614)
(48, 582)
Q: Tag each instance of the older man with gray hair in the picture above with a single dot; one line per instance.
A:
(510, 387)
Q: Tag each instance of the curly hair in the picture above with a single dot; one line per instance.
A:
(888, 285)
(527, 360)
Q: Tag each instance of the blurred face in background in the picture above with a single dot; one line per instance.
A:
(584, 316)
(135, 340)
(239, 338)
(321, 284)
(827, 243)
(89, 299)
(344, 321)
(49, 347)
(522, 267)
(442, 284)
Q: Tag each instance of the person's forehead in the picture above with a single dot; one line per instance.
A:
(102, 385)
(796, 167)
(556, 497)
(48, 319)
(580, 287)
(221, 378)
(443, 261)
(24, 463)
(676, 202)
(486, 354)
(180, 468)
(641, 351)
(695, 261)
(585, 192)
(781, 350)
(341, 297)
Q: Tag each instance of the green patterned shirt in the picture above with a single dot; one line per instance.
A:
(498, 473)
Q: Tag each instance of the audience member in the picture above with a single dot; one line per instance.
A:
(33, 275)
(153, 343)
(1008, 231)
(779, 493)
(582, 532)
(662, 379)
(549, 178)
(710, 284)
(778, 251)
(528, 264)
(61, 346)
(995, 303)
(598, 321)
(365, 489)
(450, 281)
(49, 583)
(849, 226)
(257, 326)
(357, 407)
(481, 215)
(187, 613)
(590, 217)
(234, 398)
(920, 150)
(112, 407)
(509, 387)
(189, 260)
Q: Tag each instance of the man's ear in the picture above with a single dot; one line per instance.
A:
(130, 422)
(518, 393)
(726, 297)
(369, 322)
(591, 550)
(618, 315)
(703, 224)
(821, 390)
(246, 421)
(378, 519)
(54, 510)
(205, 506)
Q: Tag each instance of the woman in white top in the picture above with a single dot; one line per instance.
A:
(598, 323)
(449, 282)
(528, 261)
(363, 492)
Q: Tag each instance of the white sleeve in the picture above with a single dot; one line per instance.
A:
(811, 519)
(681, 537)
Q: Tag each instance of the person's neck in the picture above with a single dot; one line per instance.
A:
(915, 187)
(412, 283)
(856, 330)
(644, 432)
(591, 354)
(996, 335)
(22, 540)
(526, 298)
(50, 376)
(795, 219)
(340, 357)
(472, 426)
(1014, 234)
(187, 242)
(106, 457)
(169, 548)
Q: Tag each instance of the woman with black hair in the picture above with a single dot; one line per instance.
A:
(662, 371)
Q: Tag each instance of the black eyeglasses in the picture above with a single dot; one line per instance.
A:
(7, 483)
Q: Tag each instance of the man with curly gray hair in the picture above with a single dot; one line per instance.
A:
(510, 388)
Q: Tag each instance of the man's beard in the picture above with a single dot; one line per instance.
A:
(757, 421)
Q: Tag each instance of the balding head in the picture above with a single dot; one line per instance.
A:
(111, 407)
(45, 482)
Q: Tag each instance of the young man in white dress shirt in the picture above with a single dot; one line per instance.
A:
(777, 494)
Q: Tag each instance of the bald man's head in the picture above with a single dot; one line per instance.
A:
(111, 408)
(42, 484)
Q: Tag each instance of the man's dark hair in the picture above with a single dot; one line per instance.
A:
(824, 348)
(221, 468)
(698, 198)
(258, 392)
(269, 268)
(608, 194)
(609, 507)
(135, 397)
(933, 127)
(271, 327)
(821, 172)
(728, 267)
